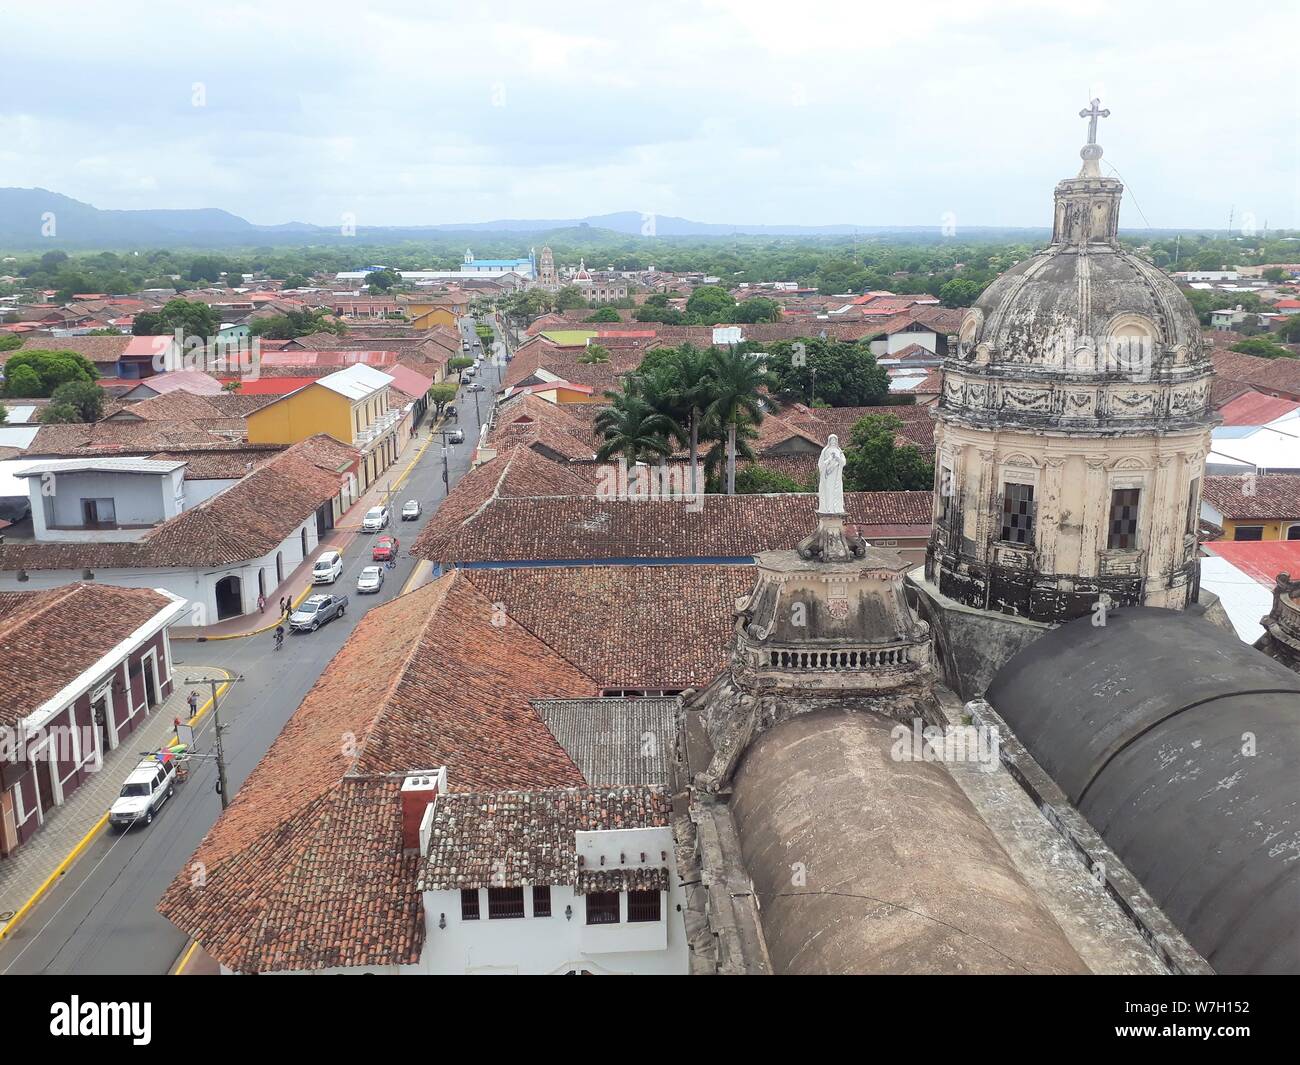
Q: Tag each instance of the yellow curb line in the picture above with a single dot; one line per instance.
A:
(180, 968)
(98, 826)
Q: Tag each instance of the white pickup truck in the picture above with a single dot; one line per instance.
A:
(150, 784)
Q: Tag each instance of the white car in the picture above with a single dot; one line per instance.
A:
(150, 784)
(410, 510)
(327, 568)
(371, 579)
(376, 518)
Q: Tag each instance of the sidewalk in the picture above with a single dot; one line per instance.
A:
(42, 859)
(297, 585)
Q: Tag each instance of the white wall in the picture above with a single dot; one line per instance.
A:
(541, 946)
(138, 499)
(197, 586)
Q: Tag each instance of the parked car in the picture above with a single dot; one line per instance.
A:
(371, 579)
(456, 436)
(376, 518)
(464, 345)
(450, 411)
(316, 610)
(327, 568)
(411, 510)
(475, 387)
(470, 371)
(150, 784)
(385, 548)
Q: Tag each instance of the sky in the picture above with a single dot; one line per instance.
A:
(731, 111)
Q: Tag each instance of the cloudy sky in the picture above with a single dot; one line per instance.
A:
(737, 111)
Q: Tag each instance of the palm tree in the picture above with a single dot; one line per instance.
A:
(632, 429)
(593, 355)
(736, 383)
(692, 394)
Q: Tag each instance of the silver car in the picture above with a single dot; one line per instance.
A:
(410, 510)
(371, 579)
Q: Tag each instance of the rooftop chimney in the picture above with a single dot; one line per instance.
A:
(418, 793)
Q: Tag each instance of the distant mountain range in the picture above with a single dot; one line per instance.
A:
(24, 213)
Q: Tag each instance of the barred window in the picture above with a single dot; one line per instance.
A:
(505, 902)
(1123, 518)
(1018, 513)
(602, 907)
(642, 906)
(542, 901)
(469, 904)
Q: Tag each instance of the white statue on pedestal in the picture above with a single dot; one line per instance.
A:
(830, 486)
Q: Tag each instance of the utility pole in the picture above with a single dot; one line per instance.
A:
(223, 788)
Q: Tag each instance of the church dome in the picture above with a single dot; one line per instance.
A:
(1076, 296)
(1084, 335)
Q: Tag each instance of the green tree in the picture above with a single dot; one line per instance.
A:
(60, 414)
(1274, 274)
(756, 309)
(23, 382)
(1263, 348)
(382, 280)
(593, 355)
(458, 364)
(631, 429)
(838, 373)
(85, 396)
(191, 317)
(709, 304)
(756, 480)
(293, 324)
(1289, 331)
(736, 385)
(441, 395)
(605, 314)
(39, 372)
(9, 342)
(570, 298)
(875, 463)
(959, 292)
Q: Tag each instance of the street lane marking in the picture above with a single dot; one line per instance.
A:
(95, 830)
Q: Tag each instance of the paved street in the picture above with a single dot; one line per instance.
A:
(100, 919)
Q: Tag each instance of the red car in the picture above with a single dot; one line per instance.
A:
(384, 549)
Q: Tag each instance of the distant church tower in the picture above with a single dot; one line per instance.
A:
(1073, 427)
(546, 276)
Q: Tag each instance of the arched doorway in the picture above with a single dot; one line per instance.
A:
(303, 534)
(230, 597)
(261, 582)
(279, 568)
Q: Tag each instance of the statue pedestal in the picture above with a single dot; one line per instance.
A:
(830, 542)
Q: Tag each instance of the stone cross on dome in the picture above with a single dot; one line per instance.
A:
(1093, 112)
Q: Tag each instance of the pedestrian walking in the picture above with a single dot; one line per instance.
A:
(284, 604)
(193, 702)
(261, 603)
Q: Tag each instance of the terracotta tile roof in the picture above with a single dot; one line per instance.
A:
(918, 424)
(683, 612)
(246, 521)
(224, 407)
(587, 528)
(49, 638)
(305, 870)
(509, 839)
(1277, 376)
(101, 349)
(1267, 497)
(128, 437)
(221, 465)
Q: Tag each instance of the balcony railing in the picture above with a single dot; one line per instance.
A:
(379, 427)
